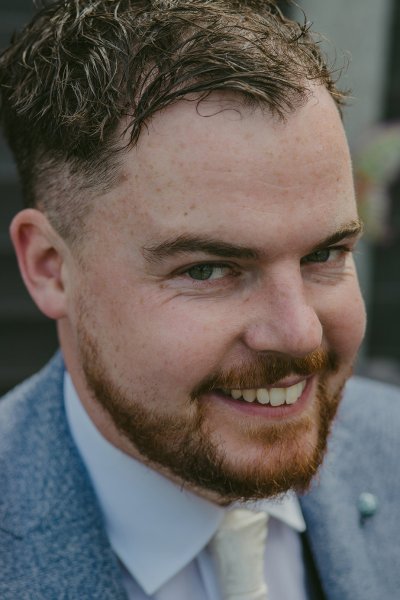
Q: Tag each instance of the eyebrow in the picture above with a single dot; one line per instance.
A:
(189, 244)
(185, 244)
(351, 230)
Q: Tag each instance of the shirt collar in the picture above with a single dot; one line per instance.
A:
(155, 527)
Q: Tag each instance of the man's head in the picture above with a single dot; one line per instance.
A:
(194, 233)
(83, 72)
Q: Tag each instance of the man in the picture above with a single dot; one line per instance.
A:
(190, 225)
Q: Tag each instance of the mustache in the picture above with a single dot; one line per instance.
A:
(267, 370)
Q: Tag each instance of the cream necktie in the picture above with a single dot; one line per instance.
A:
(238, 552)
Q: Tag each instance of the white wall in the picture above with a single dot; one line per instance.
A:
(361, 29)
(358, 30)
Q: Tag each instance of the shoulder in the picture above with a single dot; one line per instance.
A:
(370, 410)
(31, 429)
(31, 399)
(364, 446)
(362, 458)
(367, 391)
(52, 538)
(363, 453)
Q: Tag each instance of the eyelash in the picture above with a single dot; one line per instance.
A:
(342, 250)
(235, 272)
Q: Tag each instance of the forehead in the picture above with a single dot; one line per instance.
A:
(197, 132)
(198, 165)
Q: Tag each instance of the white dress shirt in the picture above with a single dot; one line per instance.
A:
(160, 531)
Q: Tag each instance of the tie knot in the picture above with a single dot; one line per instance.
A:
(238, 551)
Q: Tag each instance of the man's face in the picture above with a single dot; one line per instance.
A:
(221, 263)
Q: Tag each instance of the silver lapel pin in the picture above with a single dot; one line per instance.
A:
(367, 506)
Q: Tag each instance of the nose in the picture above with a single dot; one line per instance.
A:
(282, 318)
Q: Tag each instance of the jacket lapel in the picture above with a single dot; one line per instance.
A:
(339, 544)
(355, 556)
(49, 517)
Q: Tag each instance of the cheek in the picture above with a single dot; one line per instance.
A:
(175, 342)
(344, 322)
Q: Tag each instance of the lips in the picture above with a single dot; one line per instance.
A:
(274, 396)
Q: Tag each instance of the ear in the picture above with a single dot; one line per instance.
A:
(40, 253)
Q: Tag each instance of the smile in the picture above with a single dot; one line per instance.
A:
(275, 396)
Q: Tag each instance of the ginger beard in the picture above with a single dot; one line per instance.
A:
(157, 342)
(182, 447)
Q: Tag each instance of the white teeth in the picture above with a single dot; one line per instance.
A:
(277, 396)
(263, 396)
(292, 393)
(249, 395)
(274, 396)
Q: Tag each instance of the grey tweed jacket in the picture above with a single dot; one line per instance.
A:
(52, 540)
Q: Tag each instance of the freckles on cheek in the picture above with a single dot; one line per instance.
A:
(184, 352)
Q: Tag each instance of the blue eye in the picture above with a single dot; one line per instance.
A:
(319, 256)
(206, 272)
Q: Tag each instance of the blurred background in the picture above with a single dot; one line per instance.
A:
(362, 33)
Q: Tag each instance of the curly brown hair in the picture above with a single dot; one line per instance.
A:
(82, 67)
